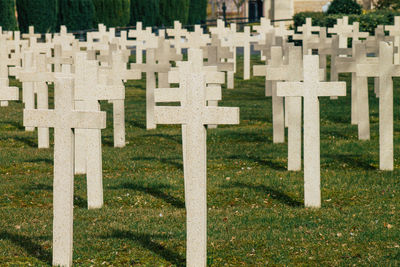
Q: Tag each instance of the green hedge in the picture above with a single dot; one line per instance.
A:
(76, 14)
(40, 13)
(344, 7)
(197, 12)
(146, 11)
(8, 21)
(171, 10)
(368, 21)
(112, 13)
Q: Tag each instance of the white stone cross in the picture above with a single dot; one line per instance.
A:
(278, 114)
(178, 33)
(243, 39)
(164, 54)
(64, 118)
(31, 34)
(115, 75)
(59, 61)
(151, 67)
(323, 45)
(384, 69)
(195, 115)
(6, 92)
(394, 30)
(311, 89)
(88, 93)
(143, 39)
(292, 72)
(216, 54)
(343, 29)
(306, 35)
(264, 27)
(197, 38)
(34, 78)
(282, 30)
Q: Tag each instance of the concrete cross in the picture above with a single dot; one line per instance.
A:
(88, 93)
(343, 29)
(34, 78)
(179, 35)
(282, 30)
(360, 57)
(311, 89)
(306, 35)
(394, 30)
(165, 54)
(64, 118)
(323, 45)
(197, 39)
(349, 64)
(385, 70)
(114, 76)
(59, 61)
(216, 55)
(144, 39)
(264, 27)
(151, 67)
(292, 72)
(244, 39)
(6, 92)
(195, 115)
(31, 34)
(278, 117)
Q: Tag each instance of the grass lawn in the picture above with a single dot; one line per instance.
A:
(255, 207)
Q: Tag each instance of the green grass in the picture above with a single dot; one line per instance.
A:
(255, 207)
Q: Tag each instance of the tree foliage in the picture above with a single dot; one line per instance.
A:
(8, 21)
(344, 7)
(171, 10)
(112, 13)
(76, 14)
(197, 11)
(40, 13)
(146, 11)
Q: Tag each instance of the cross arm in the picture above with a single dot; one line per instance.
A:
(36, 77)
(332, 89)
(74, 119)
(290, 89)
(221, 115)
(368, 70)
(259, 70)
(9, 93)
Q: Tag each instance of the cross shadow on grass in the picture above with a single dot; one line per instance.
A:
(352, 160)
(154, 190)
(26, 140)
(273, 193)
(40, 160)
(174, 138)
(269, 162)
(29, 245)
(146, 241)
(170, 161)
(137, 124)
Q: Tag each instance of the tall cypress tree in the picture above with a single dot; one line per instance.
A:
(76, 14)
(40, 13)
(8, 21)
(112, 13)
(146, 11)
(171, 10)
(197, 12)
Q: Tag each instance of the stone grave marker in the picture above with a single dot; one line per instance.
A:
(394, 31)
(195, 115)
(306, 35)
(144, 39)
(179, 35)
(385, 70)
(6, 92)
(151, 67)
(64, 118)
(31, 34)
(88, 93)
(343, 29)
(292, 71)
(311, 89)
